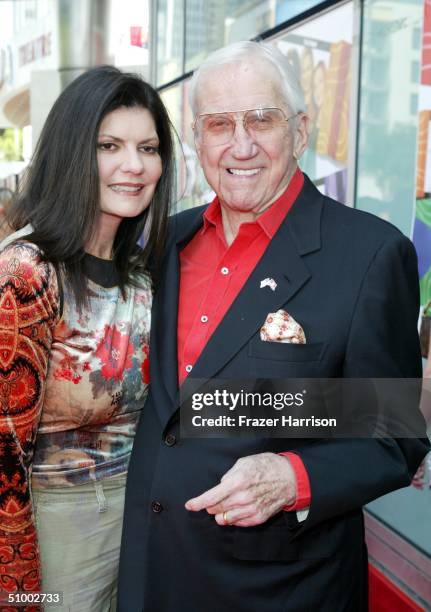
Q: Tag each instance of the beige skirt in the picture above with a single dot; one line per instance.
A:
(79, 533)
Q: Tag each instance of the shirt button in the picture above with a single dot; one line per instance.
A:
(224, 271)
(189, 368)
(170, 440)
(156, 507)
(204, 318)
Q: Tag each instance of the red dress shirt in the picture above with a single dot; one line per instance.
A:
(212, 274)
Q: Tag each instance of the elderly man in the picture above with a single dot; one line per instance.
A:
(251, 524)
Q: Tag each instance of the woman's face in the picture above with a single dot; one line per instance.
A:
(128, 160)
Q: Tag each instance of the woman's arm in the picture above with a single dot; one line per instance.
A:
(29, 309)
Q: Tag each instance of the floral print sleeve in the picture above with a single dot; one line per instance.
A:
(29, 310)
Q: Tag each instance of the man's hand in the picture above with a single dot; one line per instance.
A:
(253, 490)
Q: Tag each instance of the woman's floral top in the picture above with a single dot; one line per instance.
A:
(72, 385)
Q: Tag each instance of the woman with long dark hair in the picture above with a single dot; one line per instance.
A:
(75, 300)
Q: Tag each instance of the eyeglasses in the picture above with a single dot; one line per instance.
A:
(213, 129)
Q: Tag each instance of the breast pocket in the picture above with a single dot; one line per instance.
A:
(279, 351)
(279, 360)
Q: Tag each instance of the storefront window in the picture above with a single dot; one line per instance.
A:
(393, 164)
(244, 20)
(247, 19)
(192, 188)
(388, 116)
(287, 10)
(204, 29)
(321, 50)
(169, 41)
(129, 33)
(212, 24)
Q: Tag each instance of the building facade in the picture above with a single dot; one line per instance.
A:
(45, 44)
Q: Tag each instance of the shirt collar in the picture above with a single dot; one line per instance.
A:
(212, 215)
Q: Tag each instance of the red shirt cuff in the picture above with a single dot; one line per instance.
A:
(303, 491)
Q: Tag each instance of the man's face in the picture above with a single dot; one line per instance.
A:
(269, 162)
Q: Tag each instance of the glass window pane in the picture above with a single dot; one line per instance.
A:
(210, 24)
(247, 19)
(388, 116)
(204, 29)
(169, 40)
(287, 10)
(393, 163)
(321, 50)
(192, 188)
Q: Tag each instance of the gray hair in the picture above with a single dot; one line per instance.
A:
(245, 50)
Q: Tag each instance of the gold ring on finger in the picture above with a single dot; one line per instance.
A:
(226, 522)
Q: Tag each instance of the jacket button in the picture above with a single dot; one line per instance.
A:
(156, 507)
(170, 440)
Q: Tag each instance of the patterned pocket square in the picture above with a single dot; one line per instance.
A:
(281, 327)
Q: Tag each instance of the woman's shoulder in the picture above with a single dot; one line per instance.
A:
(22, 265)
(20, 250)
